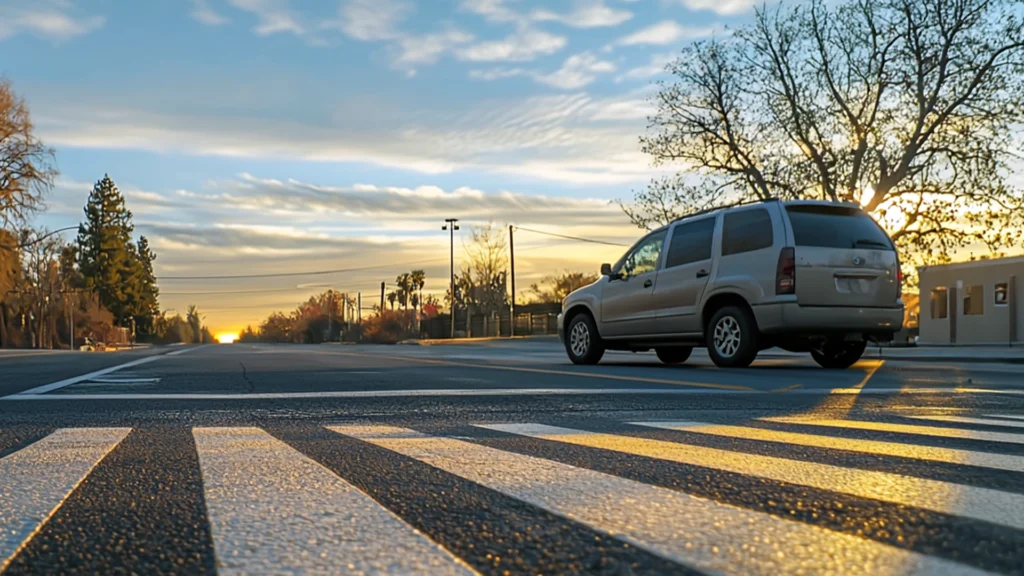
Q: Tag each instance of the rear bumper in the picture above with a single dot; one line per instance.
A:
(790, 317)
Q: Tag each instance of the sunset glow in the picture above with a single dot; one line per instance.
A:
(227, 338)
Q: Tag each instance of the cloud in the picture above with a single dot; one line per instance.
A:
(587, 14)
(724, 7)
(202, 13)
(665, 32)
(574, 139)
(495, 11)
(525, 44)
(49, 19)
(576, 72)
(428, 48)
(656, 65)
(273, 16)
(371, 20)
(498, 73)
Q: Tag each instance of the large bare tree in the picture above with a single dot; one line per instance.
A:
(26, 165)
(910, 107)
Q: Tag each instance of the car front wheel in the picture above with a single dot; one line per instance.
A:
(839, 356)
(582, 342)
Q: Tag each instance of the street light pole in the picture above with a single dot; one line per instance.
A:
(451, 227)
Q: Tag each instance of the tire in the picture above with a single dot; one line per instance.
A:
(674, 354)
(839, 356)
(582, 342)
(735, 330)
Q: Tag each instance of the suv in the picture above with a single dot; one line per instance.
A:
(806, 276)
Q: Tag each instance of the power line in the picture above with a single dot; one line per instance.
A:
(577, 238)
(293, 274)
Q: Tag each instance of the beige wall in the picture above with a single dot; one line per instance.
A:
(991, 327)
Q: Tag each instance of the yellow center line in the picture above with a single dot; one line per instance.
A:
(788, 388)
(555, 372)
(871, 372)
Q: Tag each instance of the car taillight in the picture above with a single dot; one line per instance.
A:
(899, 278)
(785, 272)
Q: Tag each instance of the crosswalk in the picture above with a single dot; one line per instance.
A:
(778, 495)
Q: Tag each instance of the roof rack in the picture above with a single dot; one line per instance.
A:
(726, 207)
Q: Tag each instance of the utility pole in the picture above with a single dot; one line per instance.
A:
(451, 227)
(359, 307)
(512, 262)
(382, 299)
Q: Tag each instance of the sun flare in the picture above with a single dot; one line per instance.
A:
(227, 338)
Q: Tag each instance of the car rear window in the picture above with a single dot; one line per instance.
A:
(836, 227)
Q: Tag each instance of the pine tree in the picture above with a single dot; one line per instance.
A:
(147, 306)
(107, 258)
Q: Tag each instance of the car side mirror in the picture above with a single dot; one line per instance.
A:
(606, 269)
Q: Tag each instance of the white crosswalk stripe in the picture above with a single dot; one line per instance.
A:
(1005, 416)
(966, 420)
(273, 510)
(901, 428)
(934, 454)
(689, 530)
(35, 480)
(978, 503)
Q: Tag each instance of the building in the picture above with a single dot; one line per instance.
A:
(973, 302)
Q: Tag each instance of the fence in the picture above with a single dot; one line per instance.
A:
(530, 320)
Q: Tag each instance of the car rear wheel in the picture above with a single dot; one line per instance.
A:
(839, 355)
(732, 337)
(582, 342)
(674, 354)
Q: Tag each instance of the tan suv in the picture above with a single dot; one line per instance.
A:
(805, 276)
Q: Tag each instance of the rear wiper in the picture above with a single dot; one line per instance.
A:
(867, 242)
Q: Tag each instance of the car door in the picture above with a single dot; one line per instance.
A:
(626, 300)
(682, 279)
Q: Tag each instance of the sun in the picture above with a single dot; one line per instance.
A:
(227, 338)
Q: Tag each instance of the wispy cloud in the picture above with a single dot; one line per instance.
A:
(664, 33)
(656, 65)
(273, 16)
(525, 44)
(724, 7)
(428, 48)
(576, 72)
(203, 13)
(50, 19)
(586, 14)
(371, 20)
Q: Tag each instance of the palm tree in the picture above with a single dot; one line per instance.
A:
(404, 282)
(392, 297)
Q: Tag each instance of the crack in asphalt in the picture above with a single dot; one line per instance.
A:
(245, 376)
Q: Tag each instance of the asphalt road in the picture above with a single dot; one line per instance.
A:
(503, 458)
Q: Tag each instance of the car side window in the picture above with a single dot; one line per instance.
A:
(644, 257)
(691, 242)
(746, 231)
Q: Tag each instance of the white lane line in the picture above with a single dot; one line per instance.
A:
(966, 420)
(36, 480)
(183, 351)
(273, 510)
(1010, 416)
(698, 532)
(479, 392)
(947, 455)
(982, 504)
(38, 390)
(901, 429)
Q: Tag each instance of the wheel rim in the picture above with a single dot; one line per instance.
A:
(727, 337)
(579, 339)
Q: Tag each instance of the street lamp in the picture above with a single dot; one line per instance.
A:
(451, 227)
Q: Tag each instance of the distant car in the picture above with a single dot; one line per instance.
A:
(805, 276)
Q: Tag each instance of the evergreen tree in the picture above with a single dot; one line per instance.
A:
(107, 258)
(145, 305)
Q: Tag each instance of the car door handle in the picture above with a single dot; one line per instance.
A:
(648, 284)
(703, 274)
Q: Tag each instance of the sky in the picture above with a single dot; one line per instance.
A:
(274, 136)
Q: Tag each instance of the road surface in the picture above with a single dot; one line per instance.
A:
(503, 458)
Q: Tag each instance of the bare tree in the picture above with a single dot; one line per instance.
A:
(907, 106)
(484, 276)
(26, 165)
